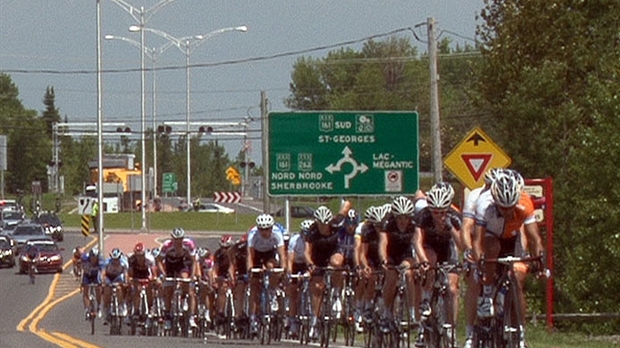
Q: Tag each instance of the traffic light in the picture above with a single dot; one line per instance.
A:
(249, 164)
(233, 175)
(123, 130)
(164, 129)
(207, 129)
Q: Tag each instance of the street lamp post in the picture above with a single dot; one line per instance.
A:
(186, 45)
(141, 16)
(152, 53)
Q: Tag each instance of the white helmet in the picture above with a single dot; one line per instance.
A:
(353, 216)
(402, 205)
(323, 214)
(440, 196)
(305, 225)
(368, 214)
(381, 212)
(491, 174)
(264, 221)
(116, 253)
(178, 233)
(506, 191)
(517, 176)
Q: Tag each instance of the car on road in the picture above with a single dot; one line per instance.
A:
(25, 232)
(297, 211)
(7, 257)
(50, 256)
(11, 218)
(52, 225)
(214, 208)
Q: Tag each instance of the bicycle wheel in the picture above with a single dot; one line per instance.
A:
(511, 318)
(93, 315)
(402, 321)
(325, 332)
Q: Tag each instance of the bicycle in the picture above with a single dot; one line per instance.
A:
(436, 328)
(348, 308)
(203, 315)
(304, 314)
(141, 317)
(401, 313)
(327, 311)
(377, 310)
(268, 325)
(92, 309)
(505, 328)
(226, 320)
(157, 314)
(115, 310)
(179, 308)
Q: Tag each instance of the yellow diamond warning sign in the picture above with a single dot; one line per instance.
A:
(473, 156)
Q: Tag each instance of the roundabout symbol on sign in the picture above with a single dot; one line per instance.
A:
(357, 167)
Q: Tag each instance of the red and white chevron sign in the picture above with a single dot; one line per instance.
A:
(227, 197)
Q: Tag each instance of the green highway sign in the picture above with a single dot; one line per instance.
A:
(340, 153)
(169, 183)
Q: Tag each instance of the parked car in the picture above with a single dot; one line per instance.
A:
(25, 232)
(10, 219)
(214, 208)
(50, 256)
(52, 225)
(297, 211)
(6, 251)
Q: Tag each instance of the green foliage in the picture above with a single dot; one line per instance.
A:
(552, 97)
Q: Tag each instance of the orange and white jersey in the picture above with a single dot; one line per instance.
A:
(489, 216)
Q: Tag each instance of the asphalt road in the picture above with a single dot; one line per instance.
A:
(50, 312)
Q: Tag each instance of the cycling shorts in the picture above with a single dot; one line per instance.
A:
(262, 258)
(91, 279)
(113, 278)
(321, 257)
(446, 252)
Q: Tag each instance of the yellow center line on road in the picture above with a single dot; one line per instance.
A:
(42, 309)
(73, 340)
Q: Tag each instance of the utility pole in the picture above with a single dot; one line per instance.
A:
(265, 144)
(435, 127)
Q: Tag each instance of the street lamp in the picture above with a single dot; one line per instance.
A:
(153, 53)
(186, 45)
(141, 16)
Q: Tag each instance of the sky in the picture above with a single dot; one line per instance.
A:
(53, 43)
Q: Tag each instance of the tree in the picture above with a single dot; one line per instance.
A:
(51, 114)
(551, 96)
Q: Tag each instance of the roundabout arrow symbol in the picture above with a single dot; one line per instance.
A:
(357, 167)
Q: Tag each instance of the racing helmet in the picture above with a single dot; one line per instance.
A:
(517, 177)
(226, 241)
(440, 196)
(139, 249)
(94, 252)
(178, 233)
(402, 205)
(305, 225)
(491, 174)
(264, 221)
(352, 217)
(323, 214)
(155, 252)
(116, 253)
(506, 191)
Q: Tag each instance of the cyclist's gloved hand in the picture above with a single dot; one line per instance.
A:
(468, 256)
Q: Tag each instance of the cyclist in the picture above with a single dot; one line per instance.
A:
(239, 274)
(474, 199)
(436, 241)
(205, 269)
(141, 267)
(265, 250)
(350, 243)
(322, 250)
(33, 253)
(497, 234)
(114, 271)
(177, 260)
(76, 260)
(296, 265)
(395, 249)
(221, 275)
(92, 267)
(369, 259)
